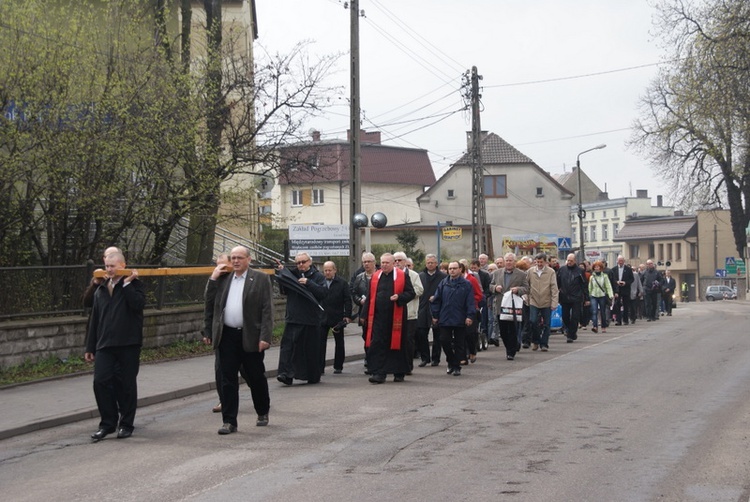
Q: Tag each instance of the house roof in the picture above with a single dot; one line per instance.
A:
(667, 227)
(497, 151)
(326, 161)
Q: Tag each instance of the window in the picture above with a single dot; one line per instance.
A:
(605, 232)
(539, 192)
(615, 228)
(678, 251)
(574, 238)
(615, 212)
(660, 257)
(669, 252)
(451, 194)
(635, 251)
(651, 250)
(593, 215)
(494, 186)
(296, 198)
(593, 233)
(317, 197)
(693, 251)
(585, 234)
(604, 214)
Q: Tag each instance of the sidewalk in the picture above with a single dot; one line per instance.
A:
(51, 403)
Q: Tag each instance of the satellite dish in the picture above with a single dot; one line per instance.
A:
(379, 220)
(264, 183)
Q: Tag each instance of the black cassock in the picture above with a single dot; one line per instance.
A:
(381, 360)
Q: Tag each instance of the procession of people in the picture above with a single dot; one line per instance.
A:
(467, 305)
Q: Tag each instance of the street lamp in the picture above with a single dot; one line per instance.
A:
(581, 212)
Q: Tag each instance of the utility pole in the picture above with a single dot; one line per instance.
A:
(355, 188)
(478, 210)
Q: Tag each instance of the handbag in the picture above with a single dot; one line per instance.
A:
(511, 307)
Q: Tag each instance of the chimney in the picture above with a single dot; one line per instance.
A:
(679, 213)
(641, 194)
(315, 135)
(659, 201)
(372, 138)
(482, 136)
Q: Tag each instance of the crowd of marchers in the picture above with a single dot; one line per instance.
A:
(451, 310)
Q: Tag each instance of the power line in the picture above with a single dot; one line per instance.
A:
(585, 75)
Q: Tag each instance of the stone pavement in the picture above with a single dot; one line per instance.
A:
(53, 402)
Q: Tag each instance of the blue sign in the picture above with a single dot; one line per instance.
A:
(729, 260)
(720, 272)
(563, 243)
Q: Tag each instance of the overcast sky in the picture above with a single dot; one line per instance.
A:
(414, 52)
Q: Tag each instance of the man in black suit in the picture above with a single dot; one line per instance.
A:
(621, 277)
(338, 313)
(240, 306)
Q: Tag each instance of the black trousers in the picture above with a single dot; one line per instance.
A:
(651, 306)
(571, 317)
(509, 336)
(452, 340)
(232, 357)
(219, 379)
(621, 306)
(115, 385)
(339, 353)
(423, 344)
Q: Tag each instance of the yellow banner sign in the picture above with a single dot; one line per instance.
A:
(452, 233)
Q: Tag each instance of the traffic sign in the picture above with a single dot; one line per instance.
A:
(730, 265)
(720, 272)
(563, 243)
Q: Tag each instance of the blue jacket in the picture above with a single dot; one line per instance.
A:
(453, 302)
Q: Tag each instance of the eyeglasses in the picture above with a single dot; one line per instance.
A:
(398, 259)
(301, 262)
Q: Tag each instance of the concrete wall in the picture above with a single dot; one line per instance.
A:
(35, 340)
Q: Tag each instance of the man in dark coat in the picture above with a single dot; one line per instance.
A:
(574, 295)
(386, 316)
(239, 306)
(431, 276)
(453, 309)
(113, 344)
(338, 313)
(667, 290)
(652, 284)
(621, 277)
(299, 354)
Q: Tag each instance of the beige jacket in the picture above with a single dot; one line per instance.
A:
(543, 291)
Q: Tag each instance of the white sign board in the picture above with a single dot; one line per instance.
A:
(319, 240)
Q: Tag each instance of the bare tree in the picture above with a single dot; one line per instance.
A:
(695, 120)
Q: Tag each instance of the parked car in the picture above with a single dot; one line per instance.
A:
(720, 293)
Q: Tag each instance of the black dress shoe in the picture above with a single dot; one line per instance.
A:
(496, 342)
(423, 364)
(377, 379)
(434, 363)
(101, 434)
(262, 420)
(123, 433)
(284, 379)
(398, 378)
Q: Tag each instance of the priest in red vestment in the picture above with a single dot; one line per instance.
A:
(385, 311)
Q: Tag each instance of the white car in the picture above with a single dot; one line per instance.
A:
(720, 293)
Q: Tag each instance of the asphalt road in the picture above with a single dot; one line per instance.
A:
(656, 411)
